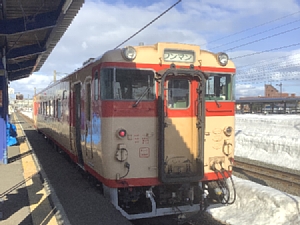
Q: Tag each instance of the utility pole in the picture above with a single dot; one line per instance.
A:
(54, 76)
(280, 88)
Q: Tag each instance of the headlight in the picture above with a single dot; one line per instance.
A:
(129, 53)
(228, 131)
(222, 58)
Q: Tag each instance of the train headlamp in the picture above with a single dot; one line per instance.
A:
(222, 58)
(129, 53)
(228, 130)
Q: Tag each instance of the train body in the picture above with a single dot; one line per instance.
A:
(154, 124)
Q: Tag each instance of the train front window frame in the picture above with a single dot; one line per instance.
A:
(178, 93)
(127, 84)
(219, 87)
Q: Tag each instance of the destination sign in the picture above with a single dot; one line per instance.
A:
(171, 55)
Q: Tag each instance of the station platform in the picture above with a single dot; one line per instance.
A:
(23, 190)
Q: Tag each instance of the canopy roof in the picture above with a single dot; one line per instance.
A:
(29, 31)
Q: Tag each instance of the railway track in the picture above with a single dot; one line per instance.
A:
(283, 179)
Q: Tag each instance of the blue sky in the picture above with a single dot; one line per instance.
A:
(241, 27)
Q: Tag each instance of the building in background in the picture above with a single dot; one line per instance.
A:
(272, 92)
(274, 101)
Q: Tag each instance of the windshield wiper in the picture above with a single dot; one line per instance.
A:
(140, 98)
(217, 102)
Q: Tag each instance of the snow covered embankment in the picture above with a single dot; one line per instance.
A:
(272, 139)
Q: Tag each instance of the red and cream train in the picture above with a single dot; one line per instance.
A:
(154, 124)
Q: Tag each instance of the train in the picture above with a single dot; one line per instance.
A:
(154, 124)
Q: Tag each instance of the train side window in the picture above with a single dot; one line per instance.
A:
(54, 108)
(88, 101)
(40, 109)
(50, 108)
(178, 94)
(45, 108)
(58, 108)
(106, 84)
(96, 86)
(65, 94)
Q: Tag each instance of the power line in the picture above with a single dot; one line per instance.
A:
(264, 38)
(269, 50)
(149, 24)
(260, 25)
(289, 71)
(256, 34)
(274, 61)
(285, 68)
(263, 61)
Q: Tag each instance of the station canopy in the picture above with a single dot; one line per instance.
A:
(29, 31)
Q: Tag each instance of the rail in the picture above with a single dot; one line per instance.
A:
(281, 178)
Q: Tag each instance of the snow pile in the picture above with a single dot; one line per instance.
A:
(273, 139)
(259, 205)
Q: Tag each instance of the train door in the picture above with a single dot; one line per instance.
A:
(182, 120)
(77, 109)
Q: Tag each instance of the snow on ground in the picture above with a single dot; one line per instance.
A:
(273, 139)
(259, 205)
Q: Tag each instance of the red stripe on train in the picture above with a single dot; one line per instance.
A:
(220, 108)
(149, 109)
(158, 67)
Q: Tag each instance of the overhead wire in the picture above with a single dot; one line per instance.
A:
(274, 73)
(264, 38)
(242, 31)
(271, 63)
(261, 39)
(256, 34)
(268, 50)
(149, 23)
(254, 27)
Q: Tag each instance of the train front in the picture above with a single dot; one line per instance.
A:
(171, 112)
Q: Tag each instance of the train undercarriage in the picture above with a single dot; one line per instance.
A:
(147, 201)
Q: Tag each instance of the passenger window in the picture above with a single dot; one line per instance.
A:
(88, 101)
(96, 86)
(106, 84)
(59, 108)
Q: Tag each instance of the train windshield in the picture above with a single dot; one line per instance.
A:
(127, 84)
(219, 87)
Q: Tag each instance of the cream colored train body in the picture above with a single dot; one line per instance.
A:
(154, 124)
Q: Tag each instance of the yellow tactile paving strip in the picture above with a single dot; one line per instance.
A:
(40, 207)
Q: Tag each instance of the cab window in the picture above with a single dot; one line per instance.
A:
(218, 87)
(127, 84)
